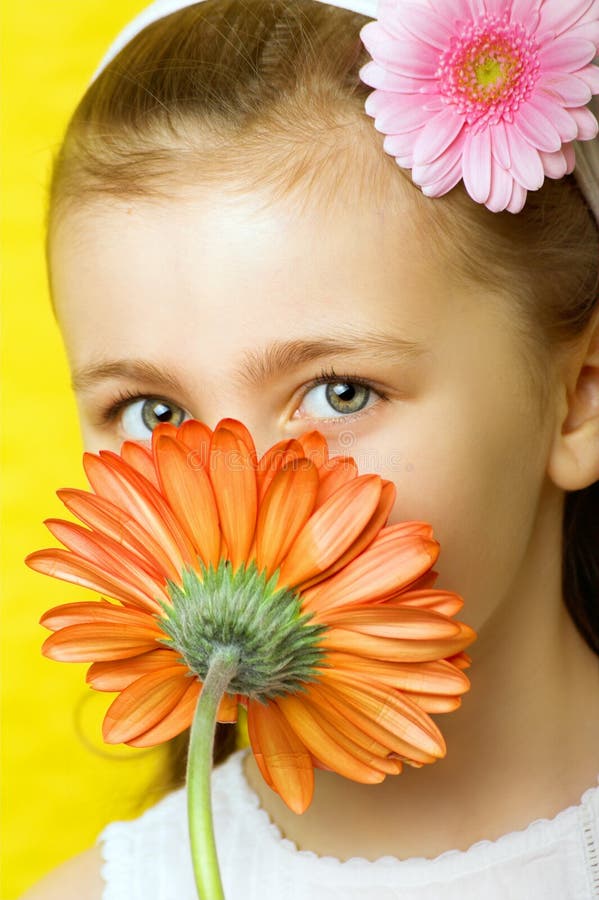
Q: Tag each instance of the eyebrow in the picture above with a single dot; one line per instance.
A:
(260, 366)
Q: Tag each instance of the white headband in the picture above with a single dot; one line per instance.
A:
(587, 152)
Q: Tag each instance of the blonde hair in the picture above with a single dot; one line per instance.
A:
(265, 95)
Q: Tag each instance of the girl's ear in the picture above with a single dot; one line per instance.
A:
(574, 457)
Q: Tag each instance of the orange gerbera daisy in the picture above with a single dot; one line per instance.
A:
(342, 645)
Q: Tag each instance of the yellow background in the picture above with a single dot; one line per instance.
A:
(60, 784)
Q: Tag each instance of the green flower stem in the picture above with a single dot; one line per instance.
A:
(223, 667)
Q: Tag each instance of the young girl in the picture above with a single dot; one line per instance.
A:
(230, 235)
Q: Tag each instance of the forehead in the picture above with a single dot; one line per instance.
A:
(202, 268)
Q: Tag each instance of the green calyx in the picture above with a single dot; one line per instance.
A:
(244, 614)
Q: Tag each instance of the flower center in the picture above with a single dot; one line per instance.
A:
(489, 70)
(218, 609)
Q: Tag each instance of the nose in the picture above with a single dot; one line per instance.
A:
(263, 430)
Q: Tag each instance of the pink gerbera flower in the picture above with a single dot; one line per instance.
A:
(489, 91)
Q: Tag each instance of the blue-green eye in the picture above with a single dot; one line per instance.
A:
(341, 397)
(140, 418)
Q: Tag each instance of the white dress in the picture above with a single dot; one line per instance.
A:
(148, 858)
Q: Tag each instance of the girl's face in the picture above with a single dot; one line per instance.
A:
(208, 306)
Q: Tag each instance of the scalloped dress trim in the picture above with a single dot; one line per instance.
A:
(132, 849)
(481, 852)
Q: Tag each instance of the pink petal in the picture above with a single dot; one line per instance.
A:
(501, 189)
(588, 31)
(559, 117)
(476, 165)
(405, 162)
(570, 154)
(499, 145)
(571, 89)
(378, 77)
(401, 144)
(444, 184)
(518, 198)
(559, 15)
(526, 165)
(588, 127)
(459, 10)
(433, 103)
(397, 117)
(437, 135)
(495, 7)
(382, 103)
(554, 164)
(593, 12)
(445, 163)
(590, 74)
(454, 12)
(403, 57)
(567, 54)
(536, 128)
(526, 13)
(424, 24)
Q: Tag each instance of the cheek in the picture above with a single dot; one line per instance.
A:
(474, 472)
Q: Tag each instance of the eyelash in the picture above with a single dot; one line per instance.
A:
(125, 397)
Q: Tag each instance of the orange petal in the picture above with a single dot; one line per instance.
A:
(65, 565)
(140, 459)
(154, 496)
(274, 459)
(196, 435)
(364, 539)
(181, 718)
(446, 602)
(437, 677)
(395, 648)
(163, 429)
(144, 704)
(279, 751)
(286, 507)
(88, 612)
(334, 473)
(110, 477)
(174, 722)
(233, 478)
(103, 516)
(382, 764)
(390, 710)
(227, 709)
(117, 674)
(318, 740)
(364, 712)
(189, 492)
(358, 742)
(315, 447)
(87, 643)
(413, 528)
(242, 434)
(390, 563)
(257, 751)
(433, 703)
(331, 529)
(460, 660)
(393, 622)
(426, 581)
(112, 557)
